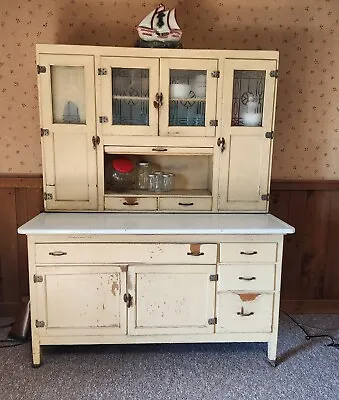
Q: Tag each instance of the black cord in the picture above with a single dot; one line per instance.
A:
(6, 326)
(13, 343)
(308, 336)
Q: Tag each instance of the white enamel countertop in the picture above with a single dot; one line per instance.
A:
(150, 224)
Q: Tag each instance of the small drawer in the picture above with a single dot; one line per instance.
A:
(185, 203)
(248, 252)
(246, 277)
(245, 312)
(131, 203)
(125, 253)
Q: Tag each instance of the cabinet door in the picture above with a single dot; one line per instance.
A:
(171, 299)
(128, 89)
(189, 92)
(248, 117)
(81, 300)
(67, 107)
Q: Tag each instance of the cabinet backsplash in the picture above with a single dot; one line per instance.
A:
(306, 143)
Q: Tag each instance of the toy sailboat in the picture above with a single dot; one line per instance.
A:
(160, 25)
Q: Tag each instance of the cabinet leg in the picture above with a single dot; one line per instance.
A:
(272, 351)
(36, 355)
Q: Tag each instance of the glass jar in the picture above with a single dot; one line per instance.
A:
(155, 182)
(143, 171)
(167, 182)
(121, 175)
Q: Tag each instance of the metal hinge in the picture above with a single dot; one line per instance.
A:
(213, 122)
(48, 196)
(265, 197)
(103, 119)
(212, 321)
(39, 324)
(95, 141)
(214, 278)
(215, 74)
(274, 73)
(37, 278)
(41, 69)
(102, 71)
(269, 135)
(44, 132)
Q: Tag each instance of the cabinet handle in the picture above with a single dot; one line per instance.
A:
(242, 314)
(249, 253)
(158, 149)
(186, 204)
(128, 299)
(125, 203)
(243, 278)
(157, 103)
(221, 143)
(57, 253)
(195, 254)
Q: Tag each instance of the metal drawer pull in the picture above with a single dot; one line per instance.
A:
(128, 299)
(57, 253)
(125, 203)
(159, 149)
(186, 204)
(242, 314)
(243, 278)
(195, 254)
(249, 253)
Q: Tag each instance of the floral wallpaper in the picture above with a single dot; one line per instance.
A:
(306, 32)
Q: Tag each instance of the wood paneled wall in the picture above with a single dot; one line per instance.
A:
(311, 256)
(20, 200)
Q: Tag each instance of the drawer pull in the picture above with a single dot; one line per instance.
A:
(242, 314)
(159, 149)
(57, 253)
(194, 254)
(186, 204)
(128, 300)
(244, 278)
(249, 253)
(126, 203)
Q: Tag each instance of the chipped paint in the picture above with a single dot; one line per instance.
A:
(195, 248)
(248, 296)
(115, 287)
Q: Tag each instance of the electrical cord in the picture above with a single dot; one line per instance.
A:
(11, 342)
(308, 336)
(6, 326)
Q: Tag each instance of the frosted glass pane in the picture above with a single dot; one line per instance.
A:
(187, 98)
(130, 96)
(68, 95)
(248, 98)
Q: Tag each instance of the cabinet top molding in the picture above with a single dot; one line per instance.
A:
(145, 52)
(152, 224)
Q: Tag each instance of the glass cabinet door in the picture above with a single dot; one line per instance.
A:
(128, 90)
(249, 90)
(67, 105)
(188, 90)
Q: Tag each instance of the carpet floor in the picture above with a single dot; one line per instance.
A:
(307, 369)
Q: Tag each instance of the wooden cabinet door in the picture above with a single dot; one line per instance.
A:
(189, 92)
(128, 88)
(81, 300)
(249, 92)
(67, 109)
(171, 299)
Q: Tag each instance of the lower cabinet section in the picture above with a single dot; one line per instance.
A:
(244, 312)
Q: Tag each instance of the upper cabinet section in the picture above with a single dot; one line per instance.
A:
(158, 96)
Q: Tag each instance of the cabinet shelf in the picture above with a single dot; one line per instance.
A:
(172, 193)
(118, 97)
(192, 99)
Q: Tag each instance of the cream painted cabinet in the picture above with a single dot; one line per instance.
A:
(249, 90)
(157, 96)
(68, 131)
(171, 299)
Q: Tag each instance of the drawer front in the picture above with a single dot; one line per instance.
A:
(125, 253)
(131, 203)
(248, 252)
(246, 277)
(245, 312)
(185, 203)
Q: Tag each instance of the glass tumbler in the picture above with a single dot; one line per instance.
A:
(143, 171)
(168, 182)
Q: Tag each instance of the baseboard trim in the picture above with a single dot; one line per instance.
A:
(310, 306)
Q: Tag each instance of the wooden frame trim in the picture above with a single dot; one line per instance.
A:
(20, 181)
(288, 185)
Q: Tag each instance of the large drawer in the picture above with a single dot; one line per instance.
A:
(125, 253)
(248, 252)
(246, 277)
(245, 312)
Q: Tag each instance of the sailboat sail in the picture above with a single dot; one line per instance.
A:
(172, 22)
